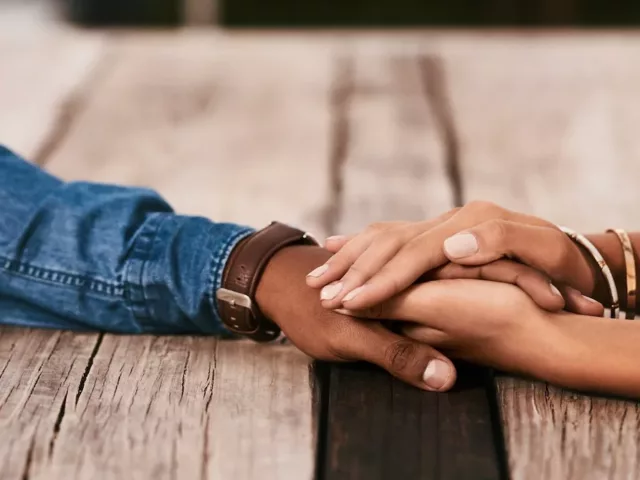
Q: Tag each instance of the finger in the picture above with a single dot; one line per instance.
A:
(336, 242)
(413, 362)
(430, 303)
(337, 265)
(543, 248)
(578, 303)
(392, 274)
(421, 254)
(534, 283)
(431, 336)
(384, 247)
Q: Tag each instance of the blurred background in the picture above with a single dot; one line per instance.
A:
(326, 13)
(266, 110)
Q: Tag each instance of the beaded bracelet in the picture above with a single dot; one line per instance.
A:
(606, 271)
(630, 271)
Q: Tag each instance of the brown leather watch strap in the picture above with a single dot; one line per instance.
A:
(236, 299)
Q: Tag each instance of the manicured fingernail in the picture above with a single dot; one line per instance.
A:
(555, 290)
(318, 272)
(461, 245)
(353, 294)
(437, 374)
(330, 291)
(335, 238)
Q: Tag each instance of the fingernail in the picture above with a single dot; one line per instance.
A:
(318, 272)
(330, 291)
(335, 238)
(461, 245)
(555, 290)
(353, 294)
(437, 374)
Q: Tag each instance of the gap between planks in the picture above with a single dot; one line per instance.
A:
(350, 447)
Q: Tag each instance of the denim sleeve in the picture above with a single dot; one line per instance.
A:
(86, 256)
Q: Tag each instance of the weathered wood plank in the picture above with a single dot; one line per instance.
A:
(548, 125)
(41, 376)
(41, 372)
(42, 72)
(394, 168)
(174, 407)
(233, 128)
(262, 400)
(236, 129)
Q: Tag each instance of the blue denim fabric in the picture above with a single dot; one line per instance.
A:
(86, 256)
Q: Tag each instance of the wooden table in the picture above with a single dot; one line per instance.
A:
(329, 131)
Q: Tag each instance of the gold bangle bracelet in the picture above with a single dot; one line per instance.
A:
(606, 271)
(630, 271)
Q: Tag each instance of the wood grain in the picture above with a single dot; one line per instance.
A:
(394, 159)
(394, 167)
(42, 374)
(185, 115)
(547, 126)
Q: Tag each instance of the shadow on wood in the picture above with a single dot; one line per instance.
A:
(377, 427)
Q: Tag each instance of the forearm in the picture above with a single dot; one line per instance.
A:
(595, 354)
(611, 249)
(105, 257)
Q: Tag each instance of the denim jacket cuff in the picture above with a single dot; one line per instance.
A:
(174, 269)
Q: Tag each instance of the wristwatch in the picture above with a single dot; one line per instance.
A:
(236, 298)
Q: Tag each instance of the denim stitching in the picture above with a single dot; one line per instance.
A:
(136, 300)
(57, 277)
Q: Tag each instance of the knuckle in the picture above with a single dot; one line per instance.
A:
(391, 284)
(486, 208)
(480, 205)
(400, 354)
(498, 232)
(355, 272)
(378, 227)
(392, 239)
(557, 256)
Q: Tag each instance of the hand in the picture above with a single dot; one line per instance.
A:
(484, 322)
(481, 240)
(500, 326)
(284, 297)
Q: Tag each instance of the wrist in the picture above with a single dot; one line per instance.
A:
(236, 298)
(283, 280)
(610, 249)
(563, 353)
(595, 354)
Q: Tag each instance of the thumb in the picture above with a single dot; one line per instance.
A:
(411, 361)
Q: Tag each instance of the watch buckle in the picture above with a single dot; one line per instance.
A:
(238, 300)
(234, 299)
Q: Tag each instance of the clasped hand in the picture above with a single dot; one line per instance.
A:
(478, 283)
